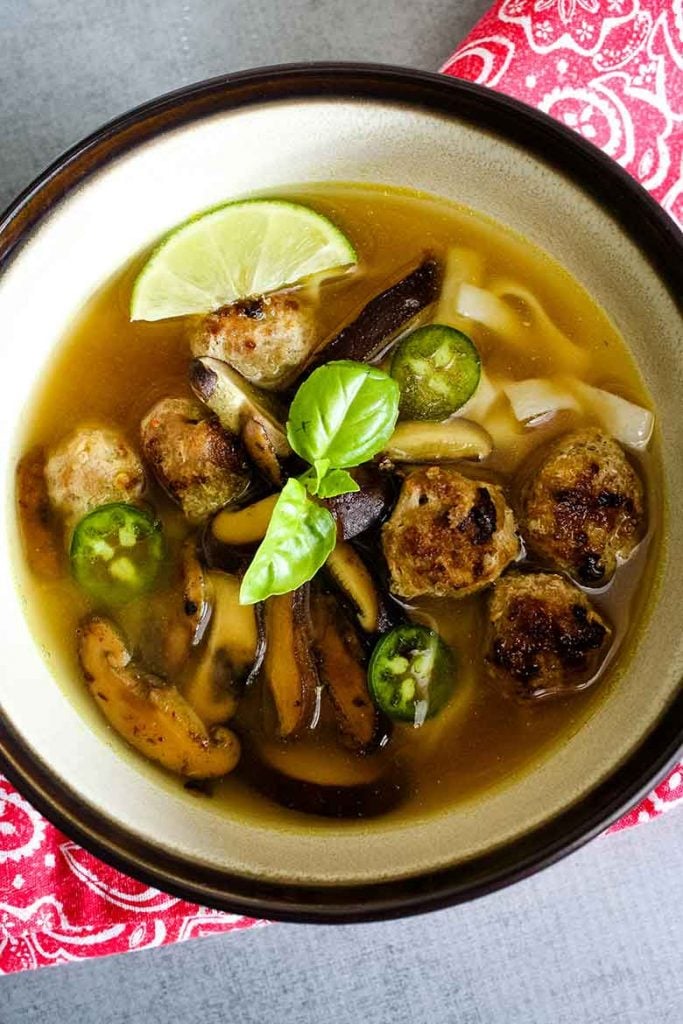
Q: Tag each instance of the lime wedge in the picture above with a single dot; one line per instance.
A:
(233, 252)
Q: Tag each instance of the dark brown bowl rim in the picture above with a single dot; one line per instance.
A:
(642, 220)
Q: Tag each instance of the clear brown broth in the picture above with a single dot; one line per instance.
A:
(109, 369)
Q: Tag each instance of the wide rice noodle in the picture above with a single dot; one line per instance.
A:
(463, 266)
(492, 308)
(478, 406)
(535, 399)
(572, 358)
(627, 422)
(486, 308)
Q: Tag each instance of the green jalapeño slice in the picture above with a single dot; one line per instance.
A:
(116, 552)
(411, 674)
(437, 369)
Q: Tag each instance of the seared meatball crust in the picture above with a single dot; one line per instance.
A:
(198, 463)
(266, 339)
(448, 536)
(583, 509)
(545, 638)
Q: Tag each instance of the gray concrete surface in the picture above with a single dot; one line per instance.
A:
(66, 66)
(596, 939)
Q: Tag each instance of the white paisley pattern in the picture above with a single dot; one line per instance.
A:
(22, 829)
(578, 25)
(611, 70)
(59, 903)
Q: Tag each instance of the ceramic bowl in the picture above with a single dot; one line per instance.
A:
(111, 196)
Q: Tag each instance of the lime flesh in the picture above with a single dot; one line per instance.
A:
(233, 252)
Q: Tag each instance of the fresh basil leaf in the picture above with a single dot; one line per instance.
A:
(327, 483)
(310, 481)
(300, 536)
(321, 467)
(345, 412)
(336, 482)
(313, 477)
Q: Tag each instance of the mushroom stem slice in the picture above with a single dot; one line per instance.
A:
(341, 663)
(148, 712)
(244, 409)
(38, 525)
(247, 525)
(187, 628)
(230, 654)
(288, 667)
(349, 572)
(453, 439)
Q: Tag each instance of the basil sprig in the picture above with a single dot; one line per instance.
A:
(342, 415)
(300, 536)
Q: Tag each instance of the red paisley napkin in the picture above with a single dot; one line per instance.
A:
(613, 71)
(610, 69)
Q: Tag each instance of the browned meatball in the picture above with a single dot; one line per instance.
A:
(266, 339)
(448, 535)
(583, 508)
(92, 466)
(195, 460)
(544, 636)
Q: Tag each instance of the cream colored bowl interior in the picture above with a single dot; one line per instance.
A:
(136, 199)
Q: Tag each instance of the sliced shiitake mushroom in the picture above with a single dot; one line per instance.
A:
(288, 666)
(234, 650)
(229, 542)
(149, 712)
(357, 511)
(186, 628)
(325, 781)
(453, 439)
(342, 670)
(244, 409)
(370, 335)
(354, 513)
(352, 576)
(258, 441)
(247, 525)
(40, 528)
